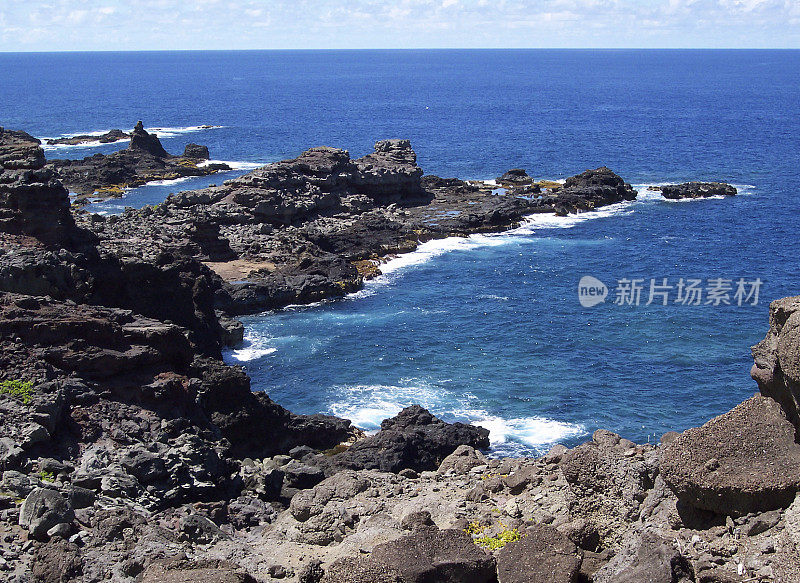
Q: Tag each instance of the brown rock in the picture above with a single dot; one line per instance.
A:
(446, 556)
(543, 555)
(743, 461)
(185, 571)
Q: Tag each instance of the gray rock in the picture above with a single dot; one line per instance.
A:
(462, 460)
(341, 486)
(416, 519)
(42, 510)
(144, 465)
(199, 529)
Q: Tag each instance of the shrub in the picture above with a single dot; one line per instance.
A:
(18, 389)
(498, 542)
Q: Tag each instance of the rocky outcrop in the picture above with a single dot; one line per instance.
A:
(776, 366)
(697, 190)
(593, 189)
(413, 439)
(145, 160)
(744, 461)
(32, 201)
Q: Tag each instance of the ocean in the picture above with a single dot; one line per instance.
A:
(489, 329)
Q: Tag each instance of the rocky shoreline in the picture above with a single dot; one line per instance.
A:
(130, 452)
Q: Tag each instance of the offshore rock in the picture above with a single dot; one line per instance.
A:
(141, 140)
(697, 190)
(592, 189)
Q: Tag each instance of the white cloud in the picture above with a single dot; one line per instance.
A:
(172, 24)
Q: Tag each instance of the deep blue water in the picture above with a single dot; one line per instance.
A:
(490, 329)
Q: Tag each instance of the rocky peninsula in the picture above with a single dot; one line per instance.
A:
(130, 452)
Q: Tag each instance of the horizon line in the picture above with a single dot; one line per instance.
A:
(365, 49)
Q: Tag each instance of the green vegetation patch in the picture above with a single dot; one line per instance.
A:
(498, 542)
(22, 390)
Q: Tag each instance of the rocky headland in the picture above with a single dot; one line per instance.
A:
(144, 160)
(130, 452)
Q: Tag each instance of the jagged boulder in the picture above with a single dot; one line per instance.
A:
(744, 461)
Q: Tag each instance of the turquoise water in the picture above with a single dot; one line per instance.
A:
(489, 329)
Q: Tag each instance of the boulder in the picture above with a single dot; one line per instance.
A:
(650, 558)
(462, 460)
(592, 189)
(360, 570)
(42, 510)
(744, 461)
(339, 487)
(542, 555)
(413, 439)
(697, 190)
(196, 152)
(186, 571)
(444, 556)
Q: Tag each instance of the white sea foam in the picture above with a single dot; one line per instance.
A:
(170, 181)
(169, 132)
(367, 405)
(534, 432)
(249, 353)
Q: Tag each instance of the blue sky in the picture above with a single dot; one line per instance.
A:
(57, 25)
